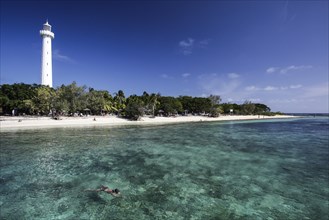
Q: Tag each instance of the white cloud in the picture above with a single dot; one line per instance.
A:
(283, 101)
(254, 100)
(321, 90)
(286, 14)
(60, 57)
(287, 69)
(218, 84)
(302, 98)
(185, 75)
(270, 88)
(293, 67)
(252, 88)
(165, 76)
(188, 43)
(233, 75)
(203, 43)
(239, 100)
(295, 86)
(186, 46)
(272, 69)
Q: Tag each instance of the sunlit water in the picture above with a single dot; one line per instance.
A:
(233, 170)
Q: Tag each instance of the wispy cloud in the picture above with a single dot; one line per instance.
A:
(239, 100)
(271, 88)
(57, 55)
(272, 69)
(165, 76)
(307, 98)
(186, 46)
(255, 100)
(320, 90)
(287, 69)
(204, 43)
(233, 75)
(219, 84)
(283, 101)
(185, 75)
(252, 88)
(295, 86)
(293, 67)
(286, 14)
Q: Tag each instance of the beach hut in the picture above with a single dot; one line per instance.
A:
(87, 111)
(161, 112)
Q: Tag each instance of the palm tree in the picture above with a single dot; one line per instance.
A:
(120, 100)
(154, 101)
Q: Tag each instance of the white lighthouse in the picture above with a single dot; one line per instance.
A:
(46, 58)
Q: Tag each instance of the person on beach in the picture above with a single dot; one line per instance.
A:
(113, 192)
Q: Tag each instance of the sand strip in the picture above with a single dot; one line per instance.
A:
(18, 123)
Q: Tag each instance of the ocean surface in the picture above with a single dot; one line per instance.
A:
(271, 169)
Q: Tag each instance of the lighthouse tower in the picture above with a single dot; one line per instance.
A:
(46, 58)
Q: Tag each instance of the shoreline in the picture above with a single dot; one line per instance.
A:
(9, 123)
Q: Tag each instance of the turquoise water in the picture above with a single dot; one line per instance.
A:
(233, 170)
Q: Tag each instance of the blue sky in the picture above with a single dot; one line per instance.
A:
(273, 52)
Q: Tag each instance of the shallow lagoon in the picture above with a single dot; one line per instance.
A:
(223, 170)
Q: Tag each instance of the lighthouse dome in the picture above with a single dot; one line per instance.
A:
(47, 26)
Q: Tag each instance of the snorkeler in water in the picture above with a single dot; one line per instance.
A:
(113, 192)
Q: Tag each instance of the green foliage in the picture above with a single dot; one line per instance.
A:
(42, 102)
(150, 102)
(248, 108)
(75, 97)
(99, 101)
(120, 102)
(154, 102)
(215, 99)
(135, 107)
(227, 107)
(4, 100)
(17, 96)
(61, 104)
(261, 109)
(195, 105)
(169, 105)
(108, 105)
(69, 99)
(215, 111)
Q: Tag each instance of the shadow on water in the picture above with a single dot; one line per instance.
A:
(95, 197)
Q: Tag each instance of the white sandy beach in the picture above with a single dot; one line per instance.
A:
(18, 123)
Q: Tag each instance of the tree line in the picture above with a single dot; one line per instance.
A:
(27, 99)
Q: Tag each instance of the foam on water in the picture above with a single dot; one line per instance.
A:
(267, 170)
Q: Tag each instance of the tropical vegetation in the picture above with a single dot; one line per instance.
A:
(73, 100)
